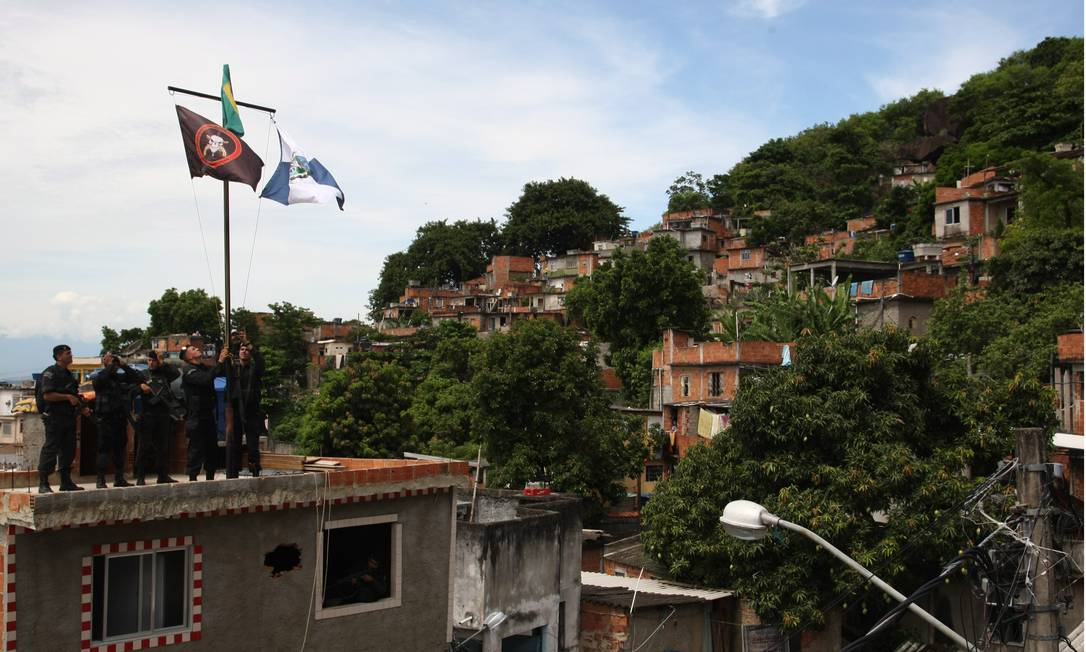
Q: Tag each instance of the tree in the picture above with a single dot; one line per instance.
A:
(440, 253)
(552, 217)
(359, 411)
(688, 192)
(783, 317)
(857, 426)
(442, 407)
(114, 341)
(1033, 259)
(541, 413)
(285, 345)
(186, 312)
(1051, 192)
(630, 299)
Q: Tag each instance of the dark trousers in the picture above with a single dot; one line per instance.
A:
(203, 445)
(154, 443)
(250, 427)
(112, 442)
(59, 448)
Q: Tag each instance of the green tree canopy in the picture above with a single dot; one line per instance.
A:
(553, 217)
(186, 312)
(689, 191)
(856, 427)
(117, 341)
(440, 253)
(541, 412)
(630, 299)
(1051, 192)
(284, 340)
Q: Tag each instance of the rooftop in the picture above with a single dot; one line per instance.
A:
(301, 482)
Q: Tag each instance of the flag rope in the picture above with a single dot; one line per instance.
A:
(256, 227)
(203, 241)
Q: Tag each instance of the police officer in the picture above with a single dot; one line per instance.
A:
(161, 411)
(198, 382)
(244, 389)
(113, 387)
(61, 401)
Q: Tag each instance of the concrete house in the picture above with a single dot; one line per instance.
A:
(360, 554)
(518, 569)
(978, 203)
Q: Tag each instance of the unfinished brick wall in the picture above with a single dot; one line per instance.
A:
(1069, 347)
(604, 628)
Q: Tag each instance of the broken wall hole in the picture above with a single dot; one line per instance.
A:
(286, 557)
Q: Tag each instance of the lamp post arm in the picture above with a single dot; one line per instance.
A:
(774, 521)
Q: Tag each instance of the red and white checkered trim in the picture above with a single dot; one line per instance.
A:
(9, 590)
(257, 509)
(191, 634)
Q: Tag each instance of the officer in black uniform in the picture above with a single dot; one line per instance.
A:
(62, 403)
(161, 412)
(198, 382)
(244, 389)
(113, 388)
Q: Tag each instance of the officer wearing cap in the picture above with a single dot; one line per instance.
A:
(198, 382)
(161, 411)
(62, 403)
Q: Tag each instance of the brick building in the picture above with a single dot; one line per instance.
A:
(694, 383)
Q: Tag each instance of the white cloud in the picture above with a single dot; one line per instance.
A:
(767, 9)
(944, 51)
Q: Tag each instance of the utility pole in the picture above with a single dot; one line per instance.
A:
(1042, 630)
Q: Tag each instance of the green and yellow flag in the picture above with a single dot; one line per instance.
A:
(230, 117)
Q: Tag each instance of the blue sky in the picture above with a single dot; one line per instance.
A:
(422, 111)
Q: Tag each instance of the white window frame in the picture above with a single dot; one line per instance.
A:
(684, 385)
(120, 639)
(744, 254)
(395, 570)
(953, 215)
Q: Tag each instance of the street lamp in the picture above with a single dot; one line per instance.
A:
(750, 521)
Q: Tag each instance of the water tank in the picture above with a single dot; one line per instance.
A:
(905, 256)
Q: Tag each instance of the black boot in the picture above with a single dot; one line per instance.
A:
(101, 484)
(66, 483)
(119, 481)
(140, 480)
(210, 475)
(255, 470)
(192, 477)
(164, 478)
(43, 483)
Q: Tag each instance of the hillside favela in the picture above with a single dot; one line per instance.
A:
(746, 326)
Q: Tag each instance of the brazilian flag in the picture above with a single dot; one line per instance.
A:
(230, 118)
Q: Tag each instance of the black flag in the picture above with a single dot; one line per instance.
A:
(216, 151)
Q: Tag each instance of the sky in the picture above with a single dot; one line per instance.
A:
(422, 110)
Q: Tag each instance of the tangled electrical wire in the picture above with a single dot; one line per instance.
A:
(1001, 566)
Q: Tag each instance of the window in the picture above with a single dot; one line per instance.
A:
(954, 215)
(716, 388)
(138, 594)
(653, 472)
(684, 385)
(6, 428)
(1010, 214)
(744, 254)
(359, 560)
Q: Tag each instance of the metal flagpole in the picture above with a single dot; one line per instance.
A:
(226, 245)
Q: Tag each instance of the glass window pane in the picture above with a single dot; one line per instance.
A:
(122, 595)
(171, 589)
(145, 592)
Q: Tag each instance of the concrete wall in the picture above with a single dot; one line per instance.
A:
(244, 607)
(903, 312)
(523, 558)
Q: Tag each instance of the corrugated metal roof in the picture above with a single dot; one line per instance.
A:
(655, 587)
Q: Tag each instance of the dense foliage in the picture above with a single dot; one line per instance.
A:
(186, 312)
(856, 427)
(531, 398)
(553, 217)
(631, 298)
(440, 253)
